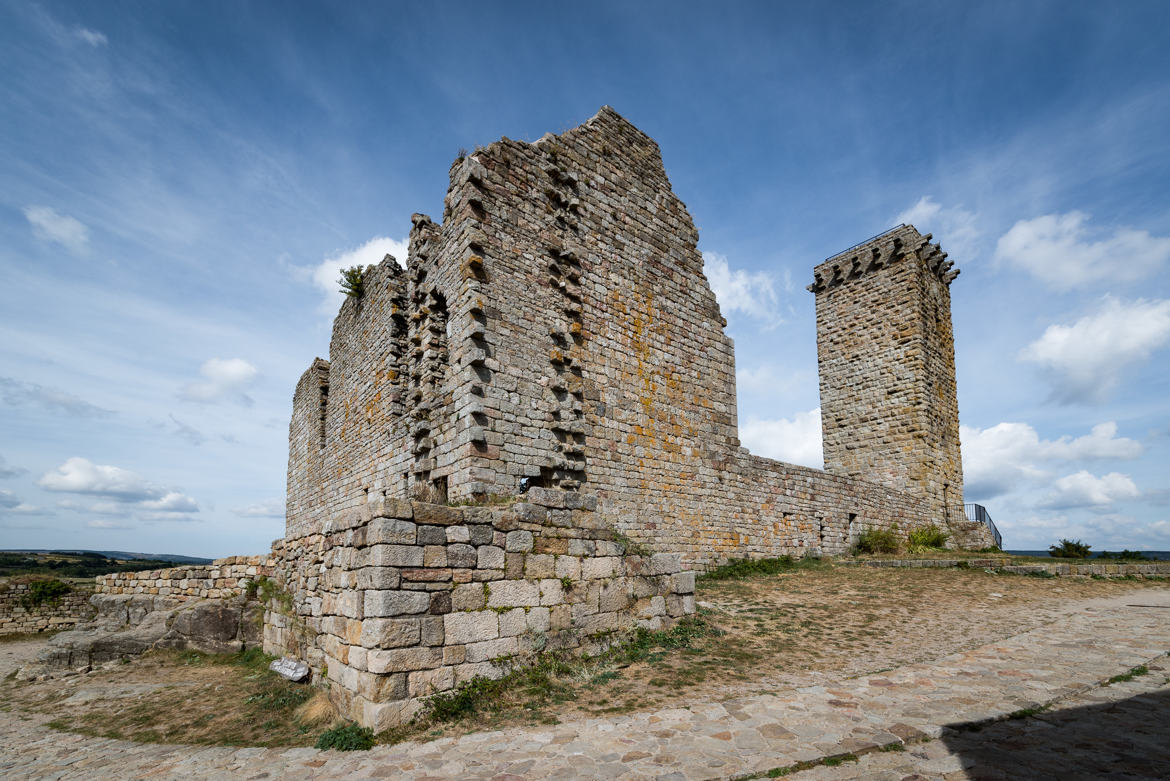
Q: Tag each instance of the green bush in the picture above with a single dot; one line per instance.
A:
(348, 737)
(352, 281)
(744, 568)
(44, 591)
(877, 541)
(926, 538)
(1069, 549)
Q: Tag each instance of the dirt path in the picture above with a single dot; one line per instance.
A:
(1093, 641)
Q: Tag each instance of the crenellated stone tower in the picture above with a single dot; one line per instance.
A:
(885, 348)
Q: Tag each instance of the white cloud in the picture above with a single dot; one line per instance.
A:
(795, 441)
(953, 227)
(171, 502)
(998, 459)
(752, 293)
(101, 508)
(1058, 250)
(17, 393)
(326, 274)
(8, 500)
(48, 225)
(224, 380)
(81, 476)
(1084, 489)
(1084, 360)
(269, 508)
(92, 37)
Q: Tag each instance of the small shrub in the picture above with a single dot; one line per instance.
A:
(352, 281)
(926, 538)
(348, 737)
(877, 541)
(746, 568)
(1069, 549)
(42, 592)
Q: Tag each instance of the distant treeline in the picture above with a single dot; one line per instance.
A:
(71, 565)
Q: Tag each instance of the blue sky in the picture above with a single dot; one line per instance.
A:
(179, 182)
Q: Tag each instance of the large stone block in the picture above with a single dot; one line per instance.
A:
(400, 660)
(391, 530)
(513, 593)
(474, 627)
(392, 556)
(380, 604)
(390, 632)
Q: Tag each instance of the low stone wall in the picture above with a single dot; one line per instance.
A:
(751, 507)
(405, 599)
(220, 579)
(63, 612)
(1005, 564)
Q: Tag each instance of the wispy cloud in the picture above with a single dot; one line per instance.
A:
(92, 37)
(953, 226)
(7, 471)
(187, 432)
(751, 293)
(1064, 253)
(223, 380)
(1085, 360)
(795, 440)
(102, 524)
(269, 508)
(48, 225)
(10, 503)
(17, 393)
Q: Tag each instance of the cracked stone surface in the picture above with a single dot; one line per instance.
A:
(1121, 727)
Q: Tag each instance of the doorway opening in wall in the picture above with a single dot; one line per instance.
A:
(852, 539)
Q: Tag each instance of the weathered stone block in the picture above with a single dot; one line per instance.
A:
(390, 633)
(395, 603)
(462, 628)
(519, 542)
(390, 530)
(513, 593)
(392, 556)
(489, 557)
(399, 660)
(436, 514)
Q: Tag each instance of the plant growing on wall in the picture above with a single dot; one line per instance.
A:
(44, 591)
(352, 281)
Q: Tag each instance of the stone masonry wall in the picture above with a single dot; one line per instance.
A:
(222, 579)
(559, 332)
(885, 352)
(405, 599)
(67, 610)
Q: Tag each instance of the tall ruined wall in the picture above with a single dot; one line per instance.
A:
(887, 368)
(556, 330)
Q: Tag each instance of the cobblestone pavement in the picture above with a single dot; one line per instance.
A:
(1063, 663)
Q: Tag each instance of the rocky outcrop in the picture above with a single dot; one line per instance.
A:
(130, 624)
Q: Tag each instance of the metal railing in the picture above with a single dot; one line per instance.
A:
(867, 241)
(979, 514)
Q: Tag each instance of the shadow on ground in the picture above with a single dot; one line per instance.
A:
(1127, 739)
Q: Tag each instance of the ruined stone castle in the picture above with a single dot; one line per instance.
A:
(556, 330)
(526, 438)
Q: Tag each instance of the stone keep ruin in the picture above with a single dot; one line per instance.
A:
(552, 358)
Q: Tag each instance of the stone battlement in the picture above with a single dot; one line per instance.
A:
(880, 251)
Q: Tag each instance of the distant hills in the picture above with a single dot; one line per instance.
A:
(118, 554)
